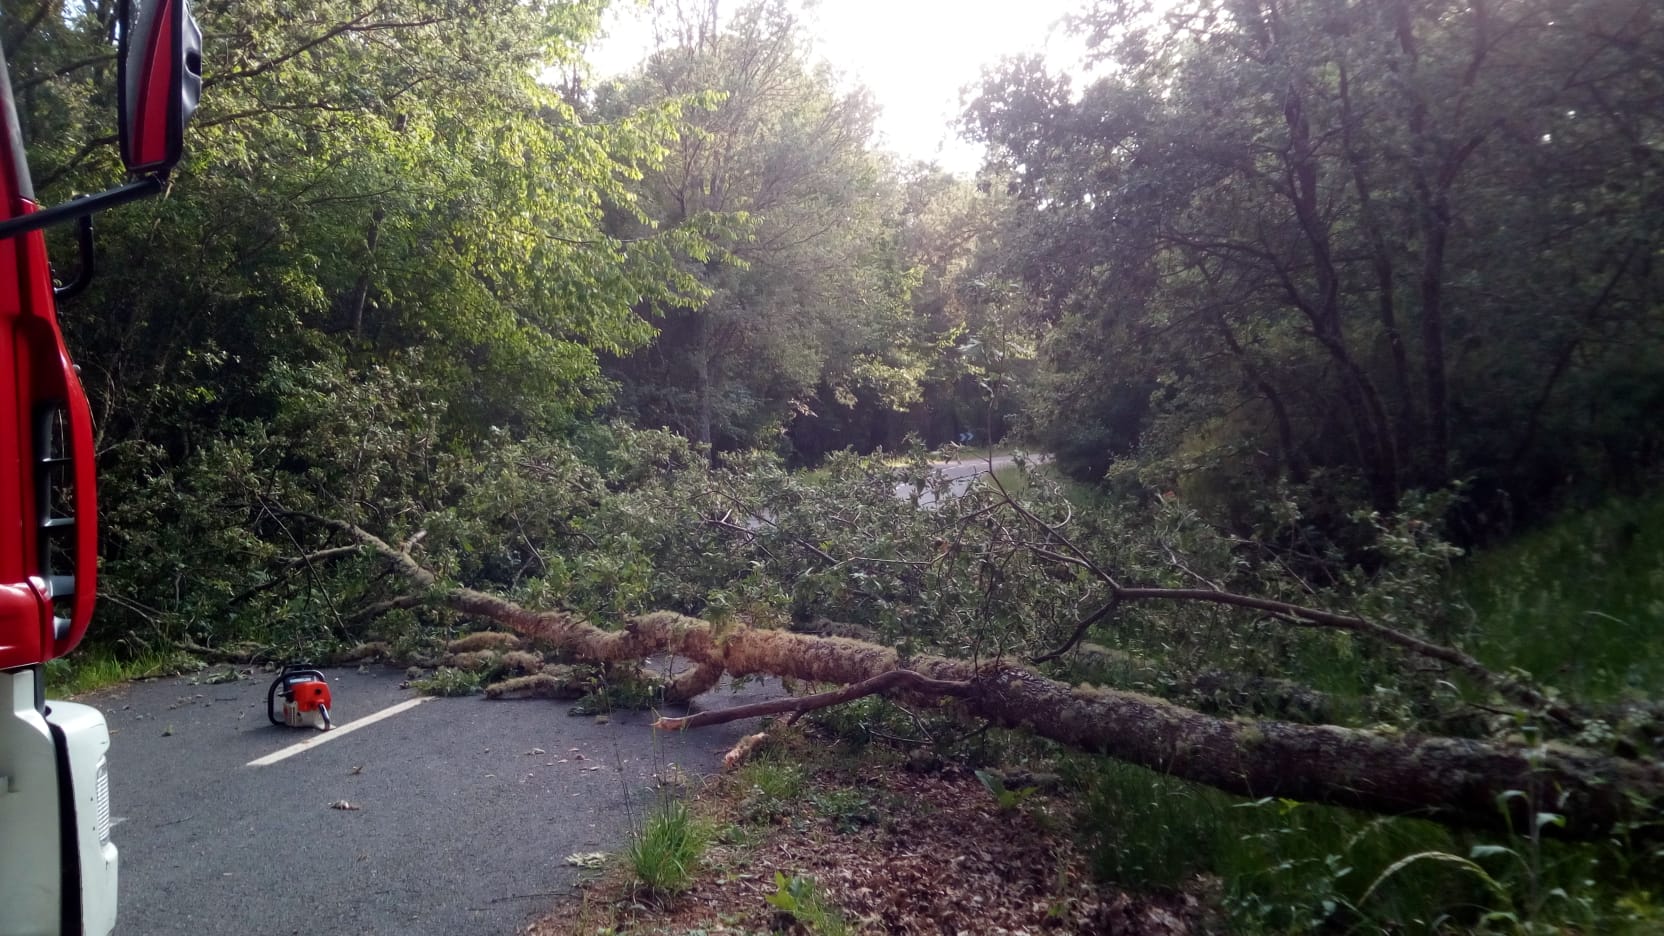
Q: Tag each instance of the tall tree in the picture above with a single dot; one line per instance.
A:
(362, 181)
(1349, 235)
(813, 295)
(374, 195)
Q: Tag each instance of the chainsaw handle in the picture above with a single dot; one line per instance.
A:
(271, 702)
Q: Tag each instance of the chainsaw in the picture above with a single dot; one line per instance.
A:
(306, 699)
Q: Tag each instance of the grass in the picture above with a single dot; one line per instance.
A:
(1593, 581)
(1014, 479)
(664, 853)
(1286, 867)
(849, 810)
(772, 787)
(90, 668)
(628, 696)
(773, 778)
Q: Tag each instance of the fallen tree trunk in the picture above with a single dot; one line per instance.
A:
(1454, 781)
(797, 706)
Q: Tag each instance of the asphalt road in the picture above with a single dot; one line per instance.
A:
(466, 809)
(963, 473)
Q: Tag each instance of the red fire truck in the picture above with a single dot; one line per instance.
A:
(57, 863)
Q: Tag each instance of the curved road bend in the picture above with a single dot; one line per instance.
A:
(962, 472)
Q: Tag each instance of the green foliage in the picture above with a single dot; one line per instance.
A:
(664, 853)
(849, 810)
(449, 681)
(1265, 279)
(877, 719)
(815, 300)
(387, 245)
(800, 899)
(1591, 579)
(631, 695)
(98, 667)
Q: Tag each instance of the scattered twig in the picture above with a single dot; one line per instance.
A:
(899, 739)
(764, 518)
(751, 537)
(311, 569)
(368, 612)
(322, 555)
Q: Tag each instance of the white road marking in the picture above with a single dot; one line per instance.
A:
(331, 735)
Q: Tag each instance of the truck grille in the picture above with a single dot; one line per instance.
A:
(101, 801)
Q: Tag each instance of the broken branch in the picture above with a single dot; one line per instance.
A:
(882, 684)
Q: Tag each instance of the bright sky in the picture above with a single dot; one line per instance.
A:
(914, 55)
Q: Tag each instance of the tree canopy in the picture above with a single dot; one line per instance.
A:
(1410, 242)
(812, 297)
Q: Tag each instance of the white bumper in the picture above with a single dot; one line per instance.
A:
(54, 816)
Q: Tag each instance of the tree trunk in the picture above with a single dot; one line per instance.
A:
(1455, 781)
(361, 289)
(1369, 415)
(702, 365)
(1404, 422)
(1435, 228)
(1292, 462)
(1435, 163)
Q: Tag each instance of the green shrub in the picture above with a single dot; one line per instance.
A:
(1007, 800)
(800, 899)
(1287, 867)
(96, 667)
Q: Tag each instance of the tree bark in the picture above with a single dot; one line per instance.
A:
(1436, 163)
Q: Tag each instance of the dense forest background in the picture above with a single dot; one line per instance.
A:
(1304, 297)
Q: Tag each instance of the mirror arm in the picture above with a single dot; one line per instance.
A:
(81, 207)
(84, 274)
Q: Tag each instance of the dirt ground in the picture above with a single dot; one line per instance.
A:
(891, 851)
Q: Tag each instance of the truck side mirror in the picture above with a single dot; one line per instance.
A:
(160, 55)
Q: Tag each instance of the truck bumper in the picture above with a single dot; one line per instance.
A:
(58, 869)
